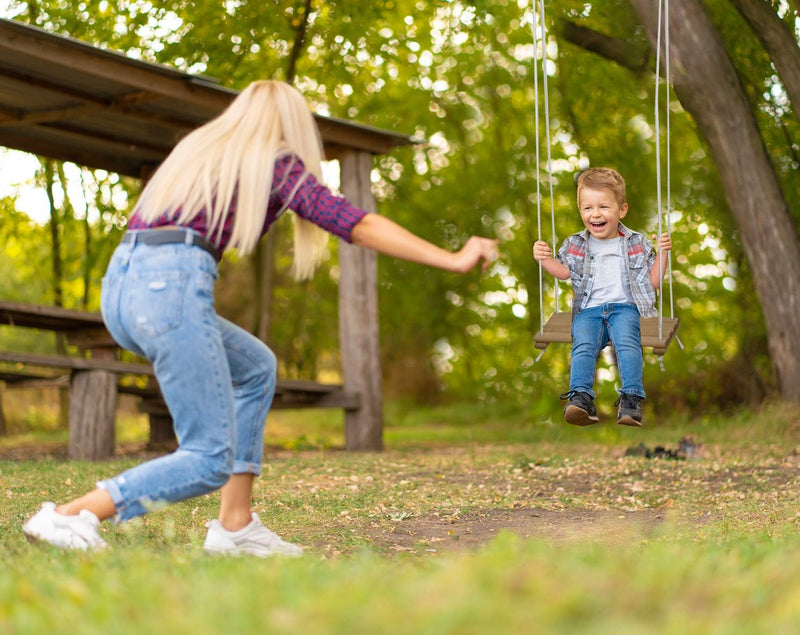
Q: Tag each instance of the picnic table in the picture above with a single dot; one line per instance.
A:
(96, 374)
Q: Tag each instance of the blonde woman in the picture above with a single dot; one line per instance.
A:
(221, 187)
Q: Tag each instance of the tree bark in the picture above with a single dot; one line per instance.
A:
(50, 173)
(264, 257)
(263, 260)
(778, 41)
(88, 256)
(614, 49)
(708, 87)
(300, 29)
(3, 426)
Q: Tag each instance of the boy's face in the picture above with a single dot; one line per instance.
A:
(601, 212)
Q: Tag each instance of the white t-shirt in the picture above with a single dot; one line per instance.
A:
(611, 284)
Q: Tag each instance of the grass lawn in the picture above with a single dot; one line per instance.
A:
(473, 520)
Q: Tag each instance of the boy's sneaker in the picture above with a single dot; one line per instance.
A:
(580, 410)
(65, 532)
(254, 539)
(630, 410)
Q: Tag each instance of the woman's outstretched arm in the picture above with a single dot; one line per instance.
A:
(377, 232)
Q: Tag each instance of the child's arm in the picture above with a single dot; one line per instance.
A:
(544, 255)
(664, 245)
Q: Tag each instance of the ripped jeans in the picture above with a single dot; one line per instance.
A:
(217, 379)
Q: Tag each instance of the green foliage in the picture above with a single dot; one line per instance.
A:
(24, 266)
(460, 76)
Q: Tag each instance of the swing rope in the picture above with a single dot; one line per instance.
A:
(657, 111)
(543, 44)
(663, 27)
(540, 41)
(538, 179)
(537, 42)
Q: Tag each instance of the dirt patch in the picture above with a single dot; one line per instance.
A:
(478, 528)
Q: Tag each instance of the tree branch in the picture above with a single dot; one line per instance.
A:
(613, 49)
(778, 41)
(299, 39)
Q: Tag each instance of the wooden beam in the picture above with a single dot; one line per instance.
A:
(77, 56)
(358, 316)
(124, 104)
(53, 83)
(337, 132)
(76, 363)
(52, 318)
(74, 148)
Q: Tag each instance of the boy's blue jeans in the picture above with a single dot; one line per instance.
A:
(595, 327)
(217, 379)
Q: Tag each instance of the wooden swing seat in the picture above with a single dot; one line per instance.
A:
(558, 329)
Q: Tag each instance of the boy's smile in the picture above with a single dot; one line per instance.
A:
(601, 212)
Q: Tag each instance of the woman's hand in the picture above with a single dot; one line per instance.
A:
(475, 250)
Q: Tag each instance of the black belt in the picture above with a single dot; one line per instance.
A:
(170, 236)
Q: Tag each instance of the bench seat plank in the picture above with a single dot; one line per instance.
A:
(558, 329)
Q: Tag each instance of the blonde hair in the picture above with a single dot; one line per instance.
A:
(235, 153)
(602, 179)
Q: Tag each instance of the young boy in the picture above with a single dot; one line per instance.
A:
(614, 274)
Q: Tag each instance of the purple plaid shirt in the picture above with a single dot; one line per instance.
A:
(312, 200)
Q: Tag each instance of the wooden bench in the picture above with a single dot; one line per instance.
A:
(95, 380)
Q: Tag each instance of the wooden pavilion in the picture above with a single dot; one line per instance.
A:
(72, 101)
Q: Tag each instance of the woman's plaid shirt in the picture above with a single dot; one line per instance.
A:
(575, 255)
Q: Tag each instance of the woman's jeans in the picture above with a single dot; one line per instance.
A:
(217, 380)
(592, 329)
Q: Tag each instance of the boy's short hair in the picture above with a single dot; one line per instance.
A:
(602, 179)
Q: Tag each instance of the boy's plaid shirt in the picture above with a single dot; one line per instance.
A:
(575, 255)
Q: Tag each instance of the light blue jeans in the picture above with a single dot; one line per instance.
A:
(217, 379)
(595, 327)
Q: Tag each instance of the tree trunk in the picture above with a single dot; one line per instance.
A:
(87, 250)
(708, 87)
(263, 260)
(264, 257)
(3, 426)
(50, 173)
(300, 28)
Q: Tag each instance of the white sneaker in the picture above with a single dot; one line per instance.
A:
(65, 532)
(254, 539)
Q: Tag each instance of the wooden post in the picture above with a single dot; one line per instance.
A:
(93, 402)
(358, 316)
(162, 431)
